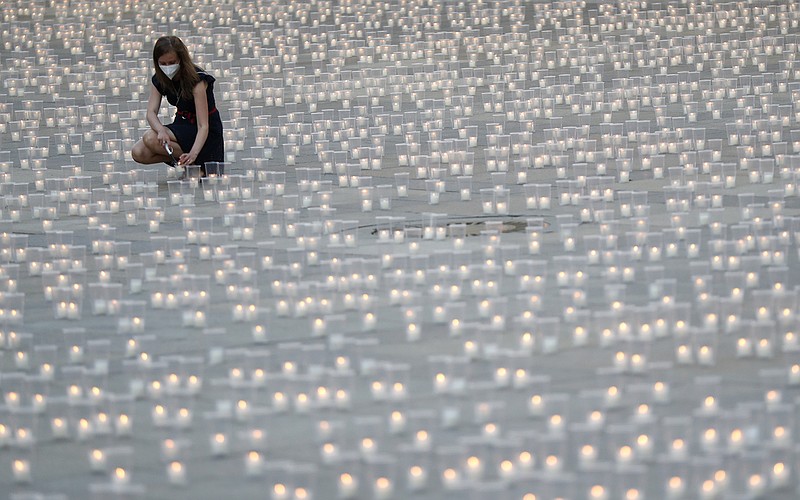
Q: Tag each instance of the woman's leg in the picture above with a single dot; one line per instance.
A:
(149, 150)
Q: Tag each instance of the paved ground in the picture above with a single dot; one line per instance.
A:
(611, 313)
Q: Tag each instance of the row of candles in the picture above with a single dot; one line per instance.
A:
(635, 444)
(723, 175)
(65, 288)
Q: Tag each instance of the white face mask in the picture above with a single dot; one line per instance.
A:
(170, 69)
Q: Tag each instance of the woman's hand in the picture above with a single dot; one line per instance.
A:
(163, 135)
(187, 159)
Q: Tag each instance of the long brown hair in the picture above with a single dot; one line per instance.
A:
(187, 78)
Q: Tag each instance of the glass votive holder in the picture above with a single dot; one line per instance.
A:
(366, 196)
(502, 200)
(349, 476)
(487, 201)
(298, 481)
(401, 180)
(596, 482)
(675, 478)
(384, 193)
(464, 187)
(432, 187)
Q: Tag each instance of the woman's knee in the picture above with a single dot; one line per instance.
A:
(139, 152)
(150, 140)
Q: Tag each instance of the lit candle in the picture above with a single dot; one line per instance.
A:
(744, 347)
(678, 449)
(159, 415)
(120, 477)
(756, 485)
(451, 479)
(176, 472)
(342, 399)
(598, 492)
(21, 469)
(501, 377)
(280, 492)
(59, 428)
(779, 476)
(536, 405)
(184, 418)
(612, 396)
(588, 455)
(412, 332)
(705, 355)
(764, 348)
(552, 463)
(253, 463)
(302, 403)
(383, 488)
(347, 486)
(417, 477)
(122, 425)
(794, 374)
(97, 460)
(318, 326)
(644, 446)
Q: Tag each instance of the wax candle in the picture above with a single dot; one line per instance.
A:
(744, 347)
(347, 485)
(120, 477)
(588, 455)
(253, 463)
(612, 396)
(342, 399)
(705, 355)
(122, 425)
(242, 409)
(412, 332)
(764, 348)
(302, 403)
(781, 436)
(176, 472)
(678, 449)
(501, 377)
(794, 374)
(21, 468)
(382, 489)
(183, 419)
(552, 464)
(598, 492)
(780, 476)
(280, 492)
(97, 460)
(451, 479)
(644, 446)
(59, 428)
(417, 477)
(756, 485)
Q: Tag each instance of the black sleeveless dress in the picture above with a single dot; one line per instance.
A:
(185, 124)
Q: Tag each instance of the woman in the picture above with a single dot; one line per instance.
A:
(195, 136)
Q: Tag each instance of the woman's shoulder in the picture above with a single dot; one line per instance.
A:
(205, 75)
